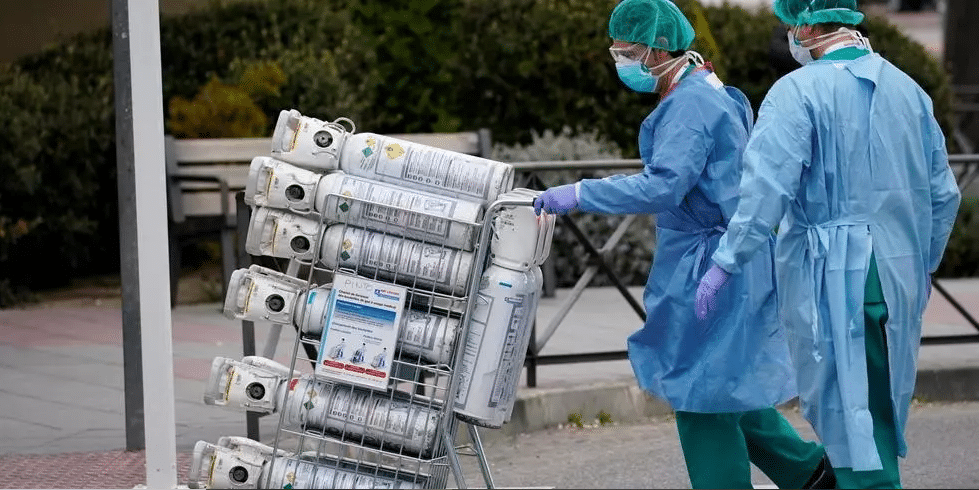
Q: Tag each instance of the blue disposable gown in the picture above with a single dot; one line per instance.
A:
(850, 153)
(691, 146)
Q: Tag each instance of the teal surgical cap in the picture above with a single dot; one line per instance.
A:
(658, 24)
(808, 12)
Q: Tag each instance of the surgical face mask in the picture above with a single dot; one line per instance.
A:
(636, 75)
(641, 78)
(801, 54)
(630, 65)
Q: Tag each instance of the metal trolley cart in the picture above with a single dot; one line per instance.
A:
(413, 309)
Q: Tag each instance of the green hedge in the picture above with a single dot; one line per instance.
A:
(514, 66)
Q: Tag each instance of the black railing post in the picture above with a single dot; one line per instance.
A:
(531, 360)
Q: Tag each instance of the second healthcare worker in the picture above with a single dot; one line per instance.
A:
(848, 161)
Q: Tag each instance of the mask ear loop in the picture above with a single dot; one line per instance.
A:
(695, 58)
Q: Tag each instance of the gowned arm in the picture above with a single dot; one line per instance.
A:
(672, 165)
(945, 200)
(778, 150)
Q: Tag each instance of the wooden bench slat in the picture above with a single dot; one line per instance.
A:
(220, 149)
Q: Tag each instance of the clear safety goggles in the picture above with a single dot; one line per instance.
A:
(628, 53)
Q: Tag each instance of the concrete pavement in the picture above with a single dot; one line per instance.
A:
(63, 393)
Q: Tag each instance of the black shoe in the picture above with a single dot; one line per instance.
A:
(823, 477)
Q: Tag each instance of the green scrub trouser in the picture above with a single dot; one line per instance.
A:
(881, 408)
(717, 448)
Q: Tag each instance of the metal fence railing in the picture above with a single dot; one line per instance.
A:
(530, 176)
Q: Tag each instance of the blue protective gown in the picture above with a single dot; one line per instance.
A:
(849, 156)
(691, 146)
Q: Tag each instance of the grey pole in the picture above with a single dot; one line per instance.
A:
(143, 233)
(129, 268)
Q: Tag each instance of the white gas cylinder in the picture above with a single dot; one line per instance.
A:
(279, 233)
(327, 146)
(521, 239)
(398, 210)
(262, 294)
(276, 184)
(496, 345)
(239, 462)
(391, 421)
(385, 257)
(309, 142)
(422, 334)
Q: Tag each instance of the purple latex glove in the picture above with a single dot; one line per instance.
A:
(710, 284)
(557, 200)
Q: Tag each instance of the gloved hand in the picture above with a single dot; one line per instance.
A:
(557, 200)
(710, 284)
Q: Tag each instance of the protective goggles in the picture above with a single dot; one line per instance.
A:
(628, 53)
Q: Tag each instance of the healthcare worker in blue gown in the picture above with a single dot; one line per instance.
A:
(848, 161)
(723, 378)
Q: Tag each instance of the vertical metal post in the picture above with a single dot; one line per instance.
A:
(136, 24)
(242, 216)
(128, 246)
(531, 360)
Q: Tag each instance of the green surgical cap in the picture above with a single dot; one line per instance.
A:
(658, 24)
(808, 12)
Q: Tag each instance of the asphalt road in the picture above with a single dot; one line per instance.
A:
(943, 439)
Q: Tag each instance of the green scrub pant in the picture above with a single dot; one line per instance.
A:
(717, 448)
(881, 408)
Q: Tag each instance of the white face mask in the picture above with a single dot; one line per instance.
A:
(801, 54)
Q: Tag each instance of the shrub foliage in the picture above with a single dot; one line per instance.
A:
(518, 67)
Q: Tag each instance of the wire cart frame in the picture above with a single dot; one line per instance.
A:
(406, 434)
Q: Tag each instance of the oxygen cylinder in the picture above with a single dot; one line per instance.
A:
(521, 239)
(426, 335)
(386, 207)
(327, 146)
(277, 233)
(253, 384)
(262, 294)
(233, 463)
(239, 462)
(389, 421)
(276, 184)
(385, 420)
(525, 346)
(313, 471)
(408, 262)
(496, 345)
(309, 142)
(340, 197)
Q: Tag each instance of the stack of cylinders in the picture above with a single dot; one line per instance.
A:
(342, 198)
(371, 254)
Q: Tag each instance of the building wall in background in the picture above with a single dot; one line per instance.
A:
(27, 27)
